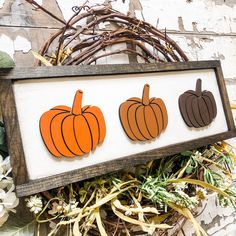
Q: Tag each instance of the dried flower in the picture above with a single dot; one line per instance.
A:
(198, 157)
(201, 193)
(8, 199)
(5, 167)
(62, 207)
(57, 207)
(72, 205)
(128, 213)
(3, 217)
(35, 204)
(167, 184)
(180, 186)
(184, 200)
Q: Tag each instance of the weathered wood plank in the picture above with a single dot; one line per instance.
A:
(54, 181)
(19, 13)
(34, 36)
(89, 70)
(204, 47)
(224, 97)
(214, 16)
(13, 132)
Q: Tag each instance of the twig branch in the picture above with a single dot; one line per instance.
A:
(87, 40)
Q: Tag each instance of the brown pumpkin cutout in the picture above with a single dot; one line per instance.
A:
(72, 132)
(198, 108)
(143, 119)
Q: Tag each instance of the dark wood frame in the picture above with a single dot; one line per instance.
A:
(25, 187)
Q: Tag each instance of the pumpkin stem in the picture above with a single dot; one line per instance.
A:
(145, 98)
(199, 87)
(77, 104)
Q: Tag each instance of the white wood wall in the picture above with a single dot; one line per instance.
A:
(205, 29)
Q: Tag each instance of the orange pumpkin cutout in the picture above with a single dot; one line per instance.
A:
(72, 132)
(143, 119)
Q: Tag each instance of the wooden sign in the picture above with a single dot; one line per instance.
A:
(66, 124)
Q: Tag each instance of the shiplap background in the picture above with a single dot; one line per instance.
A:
(205, 29)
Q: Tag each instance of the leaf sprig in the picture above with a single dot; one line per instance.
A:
(146, 199)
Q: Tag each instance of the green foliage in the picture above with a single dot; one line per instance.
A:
(213, 178)
(162, 193)
(187, 153)
(17, 227)
(229, 202)
(3, 144)
(215, 164)
(6, 61)
(147, 196)
(175, 183)
(225, 160)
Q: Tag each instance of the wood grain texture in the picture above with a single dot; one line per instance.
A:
(89, 70)
(34, 36)
(13, 132)
(26, 187)
(21, 14)
(55, 181)
(224, 97)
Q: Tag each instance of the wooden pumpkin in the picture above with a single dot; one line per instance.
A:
(198, 108)
(72, 132)
(143, 119)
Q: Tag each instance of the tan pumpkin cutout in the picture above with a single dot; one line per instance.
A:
(72, 132)
(143, 119)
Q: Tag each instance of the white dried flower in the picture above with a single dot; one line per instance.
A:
(5, 168)
(35, 204)
(128, 213)
(8, 199)
(71, 205)
(194, 201)
(3, 217)
(180, 186)
(198, 157)
(6, 183)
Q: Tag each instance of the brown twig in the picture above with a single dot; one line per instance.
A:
(127, 51)
(62, 38)
(35, 4)
(86, 41)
